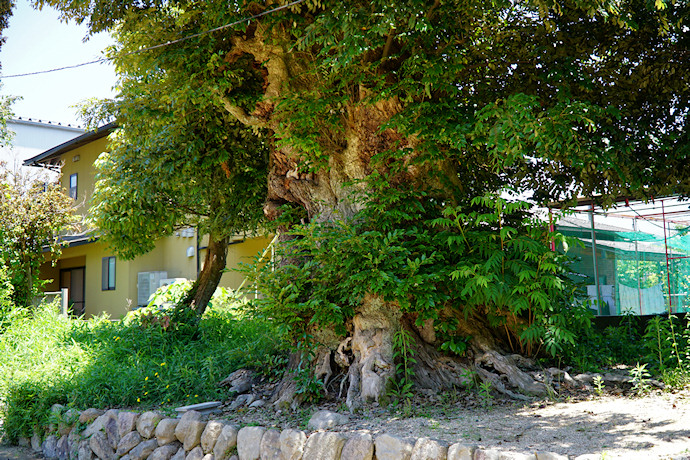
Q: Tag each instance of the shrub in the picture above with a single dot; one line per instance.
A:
(411, 249)
(6, 305)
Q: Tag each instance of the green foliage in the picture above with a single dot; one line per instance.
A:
(662, 342)
(7, 309)
(309, 387)
(506, 268)
(178, 158)
(32, 215)
(456, 345)
(50, 359)
(485, 395)
(163, 176)
(406, 247)
(5, 101)
(544, 101)
(600, 348)
(659, 340)
(598, 382)
(403, 355)
(171, 294)
(640, 379)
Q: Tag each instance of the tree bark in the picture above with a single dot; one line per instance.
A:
(203, 288)
(366, 355)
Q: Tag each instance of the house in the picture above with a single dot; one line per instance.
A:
(97, 280)
(31, 137)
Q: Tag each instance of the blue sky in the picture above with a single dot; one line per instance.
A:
(37, 40)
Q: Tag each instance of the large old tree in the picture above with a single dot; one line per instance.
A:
(428, 109)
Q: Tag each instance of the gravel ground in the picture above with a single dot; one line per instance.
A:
(608, 427)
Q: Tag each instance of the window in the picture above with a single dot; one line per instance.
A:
(73, 186)
(108, 274)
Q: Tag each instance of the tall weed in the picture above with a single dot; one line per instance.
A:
(50, 359)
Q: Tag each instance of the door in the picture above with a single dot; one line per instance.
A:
(74, 280)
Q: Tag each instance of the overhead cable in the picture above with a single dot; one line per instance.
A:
(160, 45)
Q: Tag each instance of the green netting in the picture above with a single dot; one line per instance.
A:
(629, 272)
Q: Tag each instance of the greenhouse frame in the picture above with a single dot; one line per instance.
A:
(633, 258)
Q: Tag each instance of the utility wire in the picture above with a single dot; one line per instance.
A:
(160, 45)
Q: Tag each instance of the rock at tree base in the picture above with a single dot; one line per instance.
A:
(324, 420)
(239, 382)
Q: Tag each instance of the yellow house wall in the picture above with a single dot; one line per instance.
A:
(241, 253)
(96, 301)
(85, 157)
(169, 254)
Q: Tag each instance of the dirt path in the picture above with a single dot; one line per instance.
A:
(608, 427)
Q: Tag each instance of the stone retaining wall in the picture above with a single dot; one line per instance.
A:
(125, 435)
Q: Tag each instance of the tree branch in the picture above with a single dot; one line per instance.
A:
(241, 114)
(389, 43)
(430, 13)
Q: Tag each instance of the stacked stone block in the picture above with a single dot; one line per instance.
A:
(126, 435)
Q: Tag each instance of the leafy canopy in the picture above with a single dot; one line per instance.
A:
(581, 97)
(177, 159)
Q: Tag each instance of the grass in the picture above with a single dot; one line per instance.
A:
(49, 359)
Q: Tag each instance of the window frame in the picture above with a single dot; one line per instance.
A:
(73, 189)
(108, 272)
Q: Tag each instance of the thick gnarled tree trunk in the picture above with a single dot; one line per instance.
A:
(366, 356)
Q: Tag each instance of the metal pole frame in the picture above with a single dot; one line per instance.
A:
(637, 266)
(668, 265)
(594, 260)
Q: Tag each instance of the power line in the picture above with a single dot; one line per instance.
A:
(160, 45)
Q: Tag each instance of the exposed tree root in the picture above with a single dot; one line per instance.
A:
(507, 368)
(363, 363)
